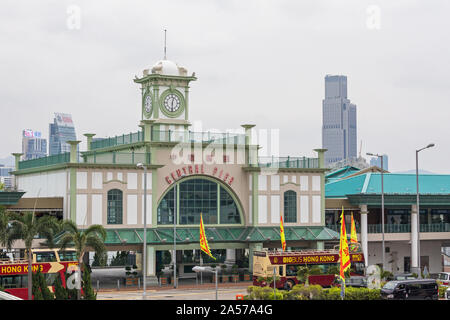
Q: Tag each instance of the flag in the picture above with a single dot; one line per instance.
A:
(344, 255)
(353, 237)
(283, 238)
(203, 242)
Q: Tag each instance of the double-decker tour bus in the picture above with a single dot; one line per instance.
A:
(286, 265)
(51, 262)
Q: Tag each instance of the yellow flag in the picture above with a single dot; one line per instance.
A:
(283, 239)
(203, 242)
(353, 237)
(344, 255)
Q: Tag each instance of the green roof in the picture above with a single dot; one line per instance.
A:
(8, 198)
(394, 184)
(163, 235)
(340, 173)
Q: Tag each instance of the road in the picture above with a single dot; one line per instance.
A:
(174, 294)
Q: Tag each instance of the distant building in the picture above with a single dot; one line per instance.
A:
(5, 178)
(376, 161)
(33, 145)
(60, 131)
(338, 121)
(359, 162)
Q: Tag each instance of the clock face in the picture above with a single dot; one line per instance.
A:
(148, 104)
(172, 103)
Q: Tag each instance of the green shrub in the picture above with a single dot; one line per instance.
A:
(278, 295)
(315, 270)
(88, 291)
(40, 288)
(60, 291)
(442, 290)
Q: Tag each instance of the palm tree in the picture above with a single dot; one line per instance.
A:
(6, 240)
(93, 237)
(26, 227)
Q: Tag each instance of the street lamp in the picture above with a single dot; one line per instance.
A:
(175, 236)
(206, 269)
(382, 206)
(144, 264)
(418, 208)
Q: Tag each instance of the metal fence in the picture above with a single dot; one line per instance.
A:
(288, 162)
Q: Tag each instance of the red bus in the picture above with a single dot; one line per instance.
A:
(51, 262)
(286, 265)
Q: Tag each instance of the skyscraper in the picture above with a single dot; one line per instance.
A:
(33, 145)
(60, 131)
(376, 161)
(338, 121)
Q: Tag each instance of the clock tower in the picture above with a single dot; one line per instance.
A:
(165, 95)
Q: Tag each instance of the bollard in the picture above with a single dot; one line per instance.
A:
(239, 297)
(139, 283)
(98, 285)
(118, 284)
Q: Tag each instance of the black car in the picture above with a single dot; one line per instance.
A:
(424, 289)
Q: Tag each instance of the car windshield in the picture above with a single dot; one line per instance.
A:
(390, 285)
(443, 276)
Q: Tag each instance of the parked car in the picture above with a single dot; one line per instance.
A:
(404, 276)
(424, 289)
(447, 294)
(433, 276)
(444, 279)
(356, 281)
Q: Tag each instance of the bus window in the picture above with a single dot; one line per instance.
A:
(280, 271)
(16, 281)
(291, 270)
(358, 267)
(45, 256)
(67, 256)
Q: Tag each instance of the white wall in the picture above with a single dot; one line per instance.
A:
(46, 184)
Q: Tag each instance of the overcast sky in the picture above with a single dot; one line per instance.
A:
(257, 61)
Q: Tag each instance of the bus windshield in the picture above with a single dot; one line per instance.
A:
(67, 256)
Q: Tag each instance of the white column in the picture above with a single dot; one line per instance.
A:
(231, 257)
(364, 242)
(414, 239)
(151, 261)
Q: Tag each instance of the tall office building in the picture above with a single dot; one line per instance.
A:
(33, 145)
(60, 131)
(376, 161)
(5, 178)
(338, 121)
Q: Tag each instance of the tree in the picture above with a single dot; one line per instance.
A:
(27, 227)
(88, 291)
(40, 288)
(93, 237)
(6, 239)
(60, 291)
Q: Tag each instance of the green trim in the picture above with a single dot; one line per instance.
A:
(400, 200)
(180, 109)
(158, 76)
(212, 179)
(10, 197)
(309, 170)
(81, 165)
(146, 114)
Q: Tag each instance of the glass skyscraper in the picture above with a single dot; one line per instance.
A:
(33, 145)
(338, 121)
(376, 161)
(60, 131)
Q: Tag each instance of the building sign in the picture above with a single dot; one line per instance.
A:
(193, 169)
(22, 268)
(312, 259)
(64, 119)
(28, 133)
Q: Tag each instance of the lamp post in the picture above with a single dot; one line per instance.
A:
(144, 256)
(175, 236)
(382, 207)
(418, 208)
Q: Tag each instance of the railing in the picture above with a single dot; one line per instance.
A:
(396, 228)
(118, 158)
(197, 137)
(45, 161)
(118, 140)
(288, 162)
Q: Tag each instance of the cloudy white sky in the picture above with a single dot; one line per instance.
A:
(257, 61)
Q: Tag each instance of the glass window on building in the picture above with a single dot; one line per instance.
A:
(440, 216)
(115, 206)
(199, 196)
(290, 206)
(398, 216)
